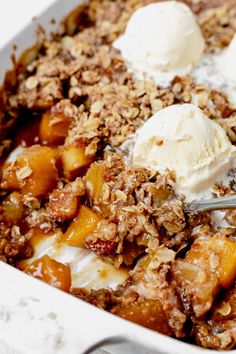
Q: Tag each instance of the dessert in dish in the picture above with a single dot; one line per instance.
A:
(104, 134)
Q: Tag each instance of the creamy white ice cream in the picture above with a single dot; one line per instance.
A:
(162, 38)
(183, 139)
(218, 71)
(227, 61)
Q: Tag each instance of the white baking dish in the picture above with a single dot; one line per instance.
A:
(37, 318)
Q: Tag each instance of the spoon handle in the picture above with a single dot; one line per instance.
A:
(228, 202)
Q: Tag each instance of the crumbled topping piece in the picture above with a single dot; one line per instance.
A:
(64, 203)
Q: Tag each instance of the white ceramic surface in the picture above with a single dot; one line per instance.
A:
(36, 318)
(15, 14)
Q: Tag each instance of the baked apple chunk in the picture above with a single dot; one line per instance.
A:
(82, 226)
(51, 272)
(34, 171)
(53, 129)
(209, 266)
(74, 158)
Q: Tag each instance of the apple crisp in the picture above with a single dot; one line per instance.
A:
(68, 120)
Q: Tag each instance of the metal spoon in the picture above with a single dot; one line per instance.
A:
(228, 202)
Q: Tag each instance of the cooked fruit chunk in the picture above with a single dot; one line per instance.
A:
(219, 331)
(197, 286)
(53, 128)
(33, 171)
(37, 236)
(13, 207)
(218, 255)
(84, 224)
(147, 313)
(94, 181)
(209, 266)
(64, 203)
(51, 272)
(73, 159)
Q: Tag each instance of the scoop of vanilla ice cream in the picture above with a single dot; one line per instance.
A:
(162, 37)
(183, 139)
(226, 61)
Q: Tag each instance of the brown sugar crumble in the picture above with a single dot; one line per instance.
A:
(75, 181)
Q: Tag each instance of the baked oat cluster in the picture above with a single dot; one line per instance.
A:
(73, 108)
